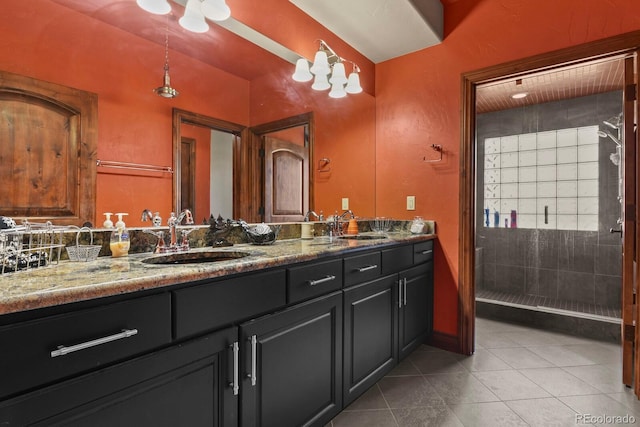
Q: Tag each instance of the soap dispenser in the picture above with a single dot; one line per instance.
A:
(119, 243)
(107, 222)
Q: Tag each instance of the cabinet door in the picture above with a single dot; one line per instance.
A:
(370, 334)
(416, 306)
(293, 365)
(185, 385)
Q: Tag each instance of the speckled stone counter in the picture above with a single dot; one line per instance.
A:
(69, 282)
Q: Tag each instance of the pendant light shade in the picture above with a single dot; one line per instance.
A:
(320, 63)
(337, 91)
(193, 19)
(302, 73)
(353, 84)
(157, 7)
(216, 10)
(338, 75)
(326, 62)
(320, 82)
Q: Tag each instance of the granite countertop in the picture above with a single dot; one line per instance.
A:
(69, 282)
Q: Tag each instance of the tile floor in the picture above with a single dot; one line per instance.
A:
(519, 376)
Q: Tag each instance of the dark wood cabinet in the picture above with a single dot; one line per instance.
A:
(282, 347)
(415, 307)
(184, 385)
(292, 365)
(370, 334)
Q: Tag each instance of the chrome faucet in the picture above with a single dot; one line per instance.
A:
(336, 228)
(172, 222)
(318, 217)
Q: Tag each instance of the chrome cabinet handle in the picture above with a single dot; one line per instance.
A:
(426, 252)
(323, 280)
(63, 350)
(404, 285)
(367, 268)
(400, 293)
(254, 359)
(235, 383)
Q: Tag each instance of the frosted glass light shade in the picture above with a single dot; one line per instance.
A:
(338, 75)
(353, 84)
(337, 91)
(302, 73)
(320, 82)
(320, 63)
(216, 10)
(157, 7)
(193, 19)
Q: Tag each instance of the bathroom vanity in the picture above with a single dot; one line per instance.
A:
(286, 336)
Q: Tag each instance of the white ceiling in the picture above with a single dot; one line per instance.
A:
(380, 29)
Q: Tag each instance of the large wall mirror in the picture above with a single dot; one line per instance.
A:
(225, 105)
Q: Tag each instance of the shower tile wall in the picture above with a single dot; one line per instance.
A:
(583, 266)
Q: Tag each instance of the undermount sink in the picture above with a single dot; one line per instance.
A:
(195, 257)
(363, 237)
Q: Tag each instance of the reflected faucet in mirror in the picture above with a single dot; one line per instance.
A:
(173, 223)
(318, 217)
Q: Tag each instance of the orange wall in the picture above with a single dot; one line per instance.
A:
(418, 104)
(49, 42)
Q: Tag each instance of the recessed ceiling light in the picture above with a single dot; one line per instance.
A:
(519, 95)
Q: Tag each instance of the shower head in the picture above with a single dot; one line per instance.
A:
(607, 134)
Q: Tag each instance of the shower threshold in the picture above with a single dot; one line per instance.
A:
(550, 305)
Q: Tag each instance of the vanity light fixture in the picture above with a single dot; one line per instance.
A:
(326, 62)
(195, 12)
(193, 19)
(166, 91)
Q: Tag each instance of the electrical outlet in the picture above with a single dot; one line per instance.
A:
(345, 203)
(411, 203)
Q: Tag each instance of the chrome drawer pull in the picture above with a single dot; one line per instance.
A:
(62, 350)
(367, 268)
(400, 293)
(254, 359)
(235, 385)
(426, 252)
(405, 290)
(323, 280)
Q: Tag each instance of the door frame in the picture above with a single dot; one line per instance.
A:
(612, 46)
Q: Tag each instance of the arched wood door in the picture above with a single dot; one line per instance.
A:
(286, 180)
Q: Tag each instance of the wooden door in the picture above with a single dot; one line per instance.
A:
(286, 182)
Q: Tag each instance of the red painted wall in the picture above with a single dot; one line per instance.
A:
(46, 41)
(418, 104)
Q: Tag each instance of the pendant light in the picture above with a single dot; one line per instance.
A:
(166, 91)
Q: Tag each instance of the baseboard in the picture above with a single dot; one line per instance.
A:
(444, 341)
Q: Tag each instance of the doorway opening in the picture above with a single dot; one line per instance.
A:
(549, 198)
(623, 46)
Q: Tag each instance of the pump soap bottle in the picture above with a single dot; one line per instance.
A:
(119, 243)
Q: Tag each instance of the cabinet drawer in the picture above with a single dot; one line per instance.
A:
(213, 305)
(315, 279)
(361, 268)
(91, 338)
(396, 259)
(422, 252)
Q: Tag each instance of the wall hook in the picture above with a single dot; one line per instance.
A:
(323, 165)
(434, 147)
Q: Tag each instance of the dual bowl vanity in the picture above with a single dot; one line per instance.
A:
(281, 335)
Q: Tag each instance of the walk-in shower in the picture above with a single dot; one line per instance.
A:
(549, 176)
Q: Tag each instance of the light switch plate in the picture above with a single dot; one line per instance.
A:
(411, 203)
(345, 203)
